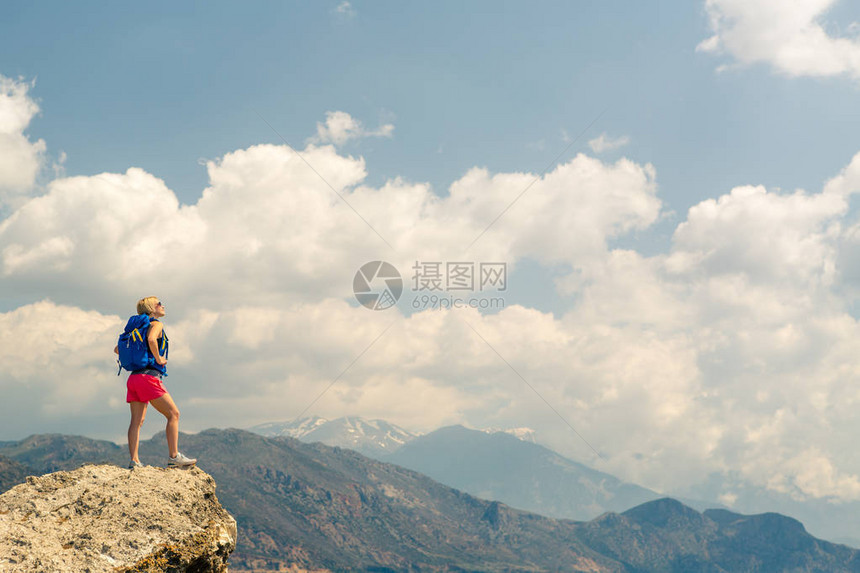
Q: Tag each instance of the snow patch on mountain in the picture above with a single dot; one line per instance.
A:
(524, 434)
(374, 438)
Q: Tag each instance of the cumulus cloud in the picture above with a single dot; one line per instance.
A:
(55, 363)
(268, 228)
(751, 296)
(344, 10)
(113, 238)
(261, 228)
(603, 143)
(765, 236)
(20, 158)
(728, 352)
(790, 36)
(340, 127)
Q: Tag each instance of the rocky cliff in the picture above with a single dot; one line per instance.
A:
(107, 518)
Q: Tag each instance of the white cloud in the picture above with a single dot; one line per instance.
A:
(20, 158)
(340, 127)
(95, 234)
(751, 293)
(268, 228)
(604, 143)
(566, 216)
(56, 362)
(254, 233)
(731, 352)
(765, 236)
(790, 36)
(344, 10)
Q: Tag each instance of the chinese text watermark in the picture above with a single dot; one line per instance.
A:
(378, 285)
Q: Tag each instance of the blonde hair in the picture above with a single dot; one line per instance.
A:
(147, 305)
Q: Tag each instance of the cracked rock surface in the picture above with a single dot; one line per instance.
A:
(106, 518)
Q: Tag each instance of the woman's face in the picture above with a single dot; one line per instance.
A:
(160, 310)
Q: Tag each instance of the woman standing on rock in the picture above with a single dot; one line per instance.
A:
(145, 386)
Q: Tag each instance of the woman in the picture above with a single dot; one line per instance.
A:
(145, 387)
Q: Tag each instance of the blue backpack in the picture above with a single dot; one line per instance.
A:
(133, 348)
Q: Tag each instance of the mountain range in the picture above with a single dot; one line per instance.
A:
(485, 464)
(316, 506)
(373, 438)
(496, 464)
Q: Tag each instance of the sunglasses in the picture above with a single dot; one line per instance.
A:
(159, 303)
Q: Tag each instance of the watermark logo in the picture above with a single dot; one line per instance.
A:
(377, 285)
(435, 285)
(459, 276)
(437, 302)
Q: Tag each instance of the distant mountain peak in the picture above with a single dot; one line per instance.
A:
(522, 433)
(663, 512)
(369, 437)
(292, 428)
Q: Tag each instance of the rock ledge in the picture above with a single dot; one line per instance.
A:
(106, 518)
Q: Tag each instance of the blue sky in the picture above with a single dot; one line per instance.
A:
(495, 84)
(490, 84)
(673, 295)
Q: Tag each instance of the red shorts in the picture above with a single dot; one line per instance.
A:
(144, 388)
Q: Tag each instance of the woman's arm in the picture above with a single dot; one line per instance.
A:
(116, 349)
(152, 339)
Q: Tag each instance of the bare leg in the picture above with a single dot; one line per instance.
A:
(166, 406)
(138, 414)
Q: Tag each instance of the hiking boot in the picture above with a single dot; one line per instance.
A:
(133, 464)
(180, 461)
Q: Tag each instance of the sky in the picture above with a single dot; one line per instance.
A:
(670, 188)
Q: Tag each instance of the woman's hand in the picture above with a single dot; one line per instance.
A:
(160, 360)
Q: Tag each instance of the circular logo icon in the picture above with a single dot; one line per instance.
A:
(377, 285)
